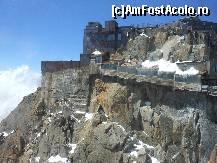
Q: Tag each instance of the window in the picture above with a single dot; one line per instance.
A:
(215, 68)
(119, 36)
(111, 37)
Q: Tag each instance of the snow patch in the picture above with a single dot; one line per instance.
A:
(49, 119)
(38, 135)
(141, 145)
(80, 112)
(166, 66)
(154, 160)
(5, 134)
(88, 116)
(143, 34)
(73, 147)
(60, 112)
(57, 159)
(37, 159)
(96, 52)
(134, 153)
(191, 71)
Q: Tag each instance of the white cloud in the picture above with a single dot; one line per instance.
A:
(14, 85)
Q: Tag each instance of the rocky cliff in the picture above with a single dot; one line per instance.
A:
(82, 116)
(171, 42)
(76, 116)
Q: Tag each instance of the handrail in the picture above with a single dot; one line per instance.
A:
(154, 73)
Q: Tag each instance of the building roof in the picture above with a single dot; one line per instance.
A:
(96, 52)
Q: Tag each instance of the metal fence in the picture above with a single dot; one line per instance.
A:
(166, 75)
(129, 70)
(109, 66)
(147, 72)
(188, 78)
(154, 72)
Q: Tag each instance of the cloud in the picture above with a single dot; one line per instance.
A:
(14, 85)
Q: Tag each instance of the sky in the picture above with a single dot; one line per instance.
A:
(36, 30)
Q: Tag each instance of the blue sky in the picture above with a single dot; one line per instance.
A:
(35, 30)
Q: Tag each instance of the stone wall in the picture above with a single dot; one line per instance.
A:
(53, 66)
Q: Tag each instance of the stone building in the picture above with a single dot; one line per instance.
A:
(105, 39)
(109, 38)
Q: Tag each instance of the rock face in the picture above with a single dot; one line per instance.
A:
(80, 117)
(169, 43)
(213, 156)
(43, 123)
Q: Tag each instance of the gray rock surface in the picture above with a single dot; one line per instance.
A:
(79, 116)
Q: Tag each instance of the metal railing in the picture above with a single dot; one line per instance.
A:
(195, 79)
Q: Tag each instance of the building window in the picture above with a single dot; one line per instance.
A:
(215, 68)
(111, 37)
(119, 36)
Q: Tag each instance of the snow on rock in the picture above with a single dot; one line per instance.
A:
(38, 135)
(60, 112)
(143, 34)
(166, 66)
(5, 134)
(182, 37)
(134, 154)
(49, 119)
(72, 146)
(163, 65)
(141, 145)
(57, 159)
(80, 112)
(88, 116)
(37, 159)
(191, 71)
(154, 160)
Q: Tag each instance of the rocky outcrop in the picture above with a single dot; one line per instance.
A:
(80, 117)
(43, 123)
(213, 156)
(170, 43)
(177, 131)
